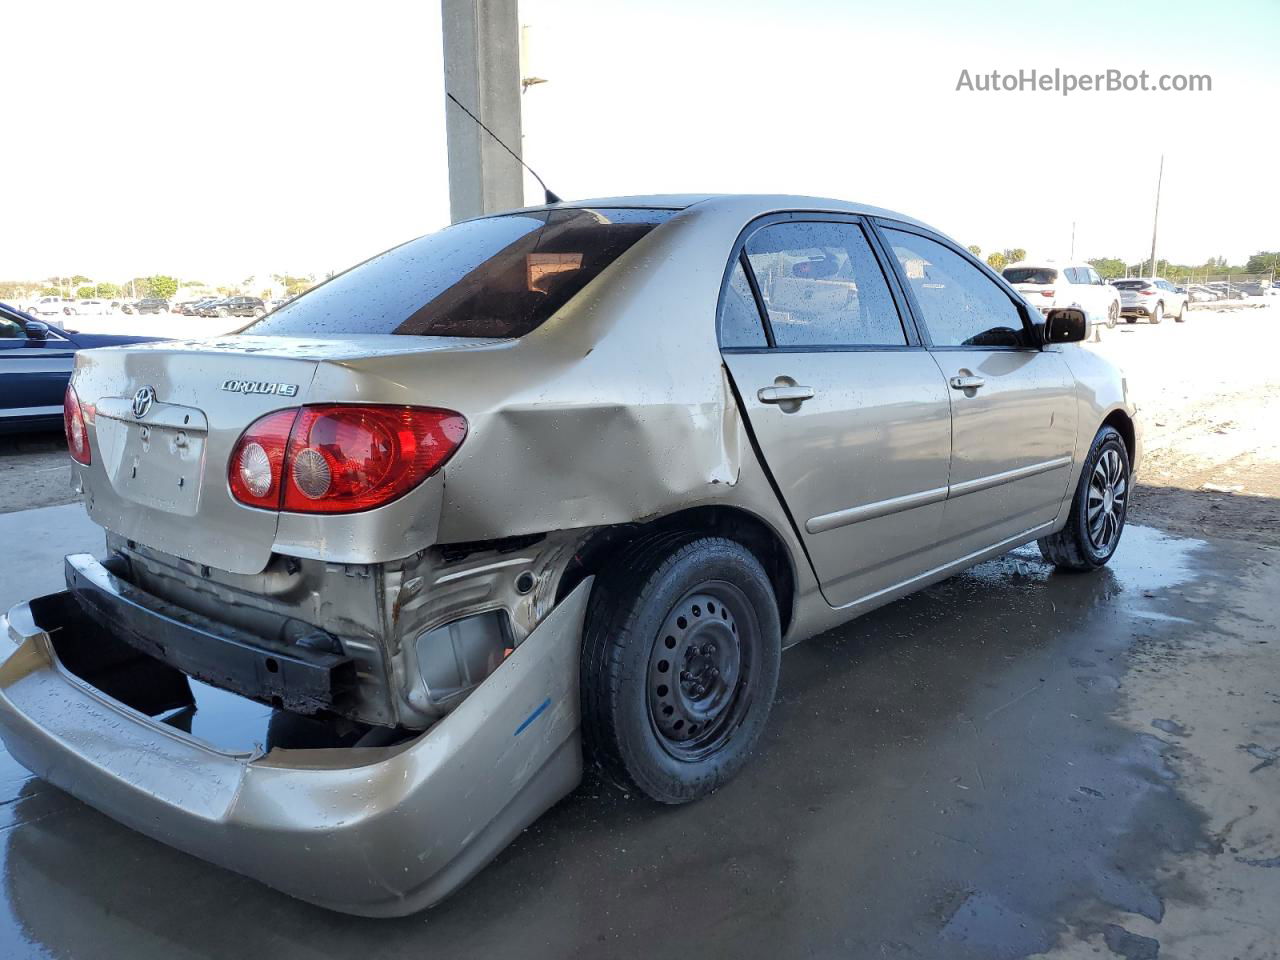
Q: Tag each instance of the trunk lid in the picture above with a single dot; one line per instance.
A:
(166, 417)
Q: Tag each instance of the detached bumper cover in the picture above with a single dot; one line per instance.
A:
(372, 831)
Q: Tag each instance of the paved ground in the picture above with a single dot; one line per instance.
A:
(1012, 763)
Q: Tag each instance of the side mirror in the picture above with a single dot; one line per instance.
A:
(1065, 325)
(36, 330)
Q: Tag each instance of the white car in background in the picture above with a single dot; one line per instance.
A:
(51, 306)
(88, 308)
(1154, 298)
(1046, 284)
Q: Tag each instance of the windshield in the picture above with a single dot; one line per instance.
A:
(1030, 275)
(494, 277)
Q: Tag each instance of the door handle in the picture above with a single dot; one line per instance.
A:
(966, 383)
(796, 394)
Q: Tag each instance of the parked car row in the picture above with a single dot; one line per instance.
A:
(251, 307)
(234, 306)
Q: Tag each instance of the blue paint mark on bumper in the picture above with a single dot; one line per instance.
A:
(533, 716)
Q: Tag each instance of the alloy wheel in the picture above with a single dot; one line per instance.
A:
(1108, 495)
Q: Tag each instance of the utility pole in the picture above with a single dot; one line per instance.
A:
(1073, 239)
(482, 70)
(1155, 221)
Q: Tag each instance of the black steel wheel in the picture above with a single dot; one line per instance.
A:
(1098, 509)
(680, 661)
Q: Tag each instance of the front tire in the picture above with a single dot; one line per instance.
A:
(1182, 313)
(1113, 314)
(1098, 509)
(680, 662)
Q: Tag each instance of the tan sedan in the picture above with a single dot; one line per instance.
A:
(543, 489)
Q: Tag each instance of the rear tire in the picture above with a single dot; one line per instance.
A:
(680, 662)
(1157, 313)
(1098, 509)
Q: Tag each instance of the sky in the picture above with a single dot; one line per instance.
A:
(218, 141)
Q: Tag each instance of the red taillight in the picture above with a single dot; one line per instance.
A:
(257, 462)
(1146, 293)
(73, 424)
(341, 458)
(1046, 293)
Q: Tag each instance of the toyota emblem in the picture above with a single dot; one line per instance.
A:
(142, 401)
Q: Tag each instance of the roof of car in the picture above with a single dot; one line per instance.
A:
(750, 203)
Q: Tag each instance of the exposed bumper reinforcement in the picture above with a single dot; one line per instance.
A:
(298, 678)
(378, 831)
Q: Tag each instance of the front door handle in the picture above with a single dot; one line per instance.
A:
(796, 394)
(966, 383)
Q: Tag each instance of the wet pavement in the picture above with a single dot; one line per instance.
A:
(967, 773)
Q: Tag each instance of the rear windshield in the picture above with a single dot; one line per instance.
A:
(1130, 284)
(495, 277)
(1031, 274)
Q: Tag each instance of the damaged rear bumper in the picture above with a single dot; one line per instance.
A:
(381, 831)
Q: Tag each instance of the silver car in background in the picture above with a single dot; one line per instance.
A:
(1152, 298)
(543, 491)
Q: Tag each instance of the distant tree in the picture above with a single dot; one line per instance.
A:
(997, 261)
(14, 290)
(975, 249)
(1014, 255)
(50, 292)
(161, 286)
(1264, 261)
(106, 291)
(1108, 267)
(294, 285)
(85, 292)
(78, 278)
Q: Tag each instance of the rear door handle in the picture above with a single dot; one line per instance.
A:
(796, 394)
(966, 383)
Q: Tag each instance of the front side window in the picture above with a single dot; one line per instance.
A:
(962, 306)
(11, 328)
(493, 277)
(822, 286)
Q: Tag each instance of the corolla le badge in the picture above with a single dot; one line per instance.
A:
(142, 401)
(261, 386)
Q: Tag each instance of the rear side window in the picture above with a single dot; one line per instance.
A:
(494, 277)
(962, 306)
(1030, 275)
(822, 286)
(740, 324)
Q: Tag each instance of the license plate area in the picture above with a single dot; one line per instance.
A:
(158, 461)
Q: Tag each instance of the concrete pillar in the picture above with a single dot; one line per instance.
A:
(482, 70)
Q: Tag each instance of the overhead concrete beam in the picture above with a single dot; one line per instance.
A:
(482, 70)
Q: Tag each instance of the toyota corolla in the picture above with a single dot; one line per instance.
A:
(545, 491)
